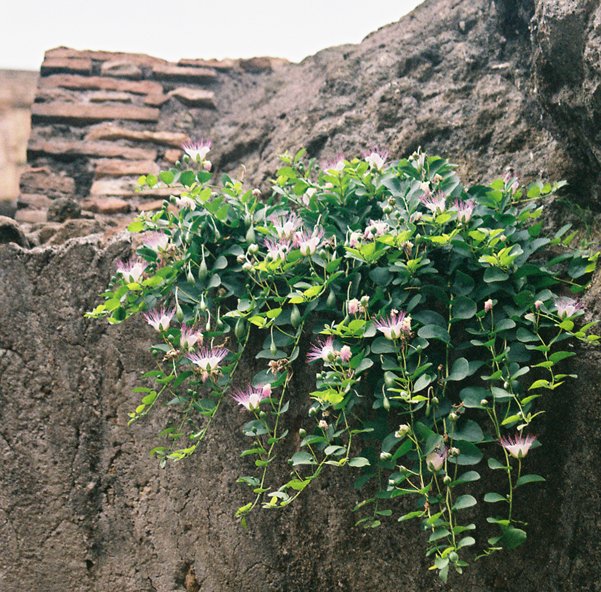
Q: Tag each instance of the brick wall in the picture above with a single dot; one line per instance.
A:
(101, 119)
(17, 90)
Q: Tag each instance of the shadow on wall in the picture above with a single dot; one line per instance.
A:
(17, 91)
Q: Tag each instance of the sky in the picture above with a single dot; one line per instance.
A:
(174, 29)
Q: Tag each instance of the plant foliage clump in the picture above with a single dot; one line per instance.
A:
(438, 316)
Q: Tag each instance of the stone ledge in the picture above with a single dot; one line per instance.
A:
(52, 65)
(68, 150)
(72, 81)
(121, 168)
(171, 72)
(113, 132)
(194, 97)
(82, 113)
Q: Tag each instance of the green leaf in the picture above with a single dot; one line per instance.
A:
(434, 332)
(512, 537)
(464, 308)
(358, 461)
(463, 284)
(423, 381)
(466, 477)
(469, 431)
(302, 458)
(493, 498)
(472, 395)
(460, 370)
(532, 478)
(464, 501)
(494, 274)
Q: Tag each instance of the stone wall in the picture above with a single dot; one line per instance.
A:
(101, 119)
(17, 90)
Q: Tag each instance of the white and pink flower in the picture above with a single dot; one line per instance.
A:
(567, 307)
(189, 338)
(396, 326)
(334, 166)
(159, 319)
(157, 241)
(436, 203)
(464, 209)
(251, 397)
(277, 250)
(376, 159)
(286, 225)
(308, 242)
(323, 350)
(197, 151)
(518, 445)
(132, 270)
(208, 361)
(375, 228)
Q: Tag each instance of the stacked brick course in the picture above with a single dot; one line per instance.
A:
(101, 119)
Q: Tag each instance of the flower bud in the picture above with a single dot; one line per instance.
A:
(256, 192)
(253, 248)
(453, 416)
(207, 165)
(403, 430)
(312, 411)
(385, 456)
(435, 401)
(488, 305)
(538, 304)
(446, 480)
(453, 451)
(323, 424)
(248, 266)
(302, 432)
(484, 402)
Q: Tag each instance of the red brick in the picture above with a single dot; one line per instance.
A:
(78, 65)
(85, 113)
(194, 97)
(138, 87)
(170, 72)
(119, 168)
(72, 149)
(114, 132)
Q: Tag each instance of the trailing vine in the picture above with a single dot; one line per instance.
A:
(438, 315)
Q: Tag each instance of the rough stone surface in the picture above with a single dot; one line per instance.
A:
(68, 112)
(11, 232)
(114, 132)
(62, 209)
(196, 97)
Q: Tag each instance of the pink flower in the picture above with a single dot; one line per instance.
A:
(354, 239)
(375, 228)
(435, 203)
(197, 150)
(286, 225)
(251, 398)
(519, 445)
(208, 360)
(345, 354)
(334, 166)
(323, 350)
(354, 306)
(277, 250)
(160, 319)
(307, 242)
(435, 460)
(567, 307)
(157, 241)
(132, 270)
(396, 326)
(376, 159)
(538, 304)
(488, 305)
(189, 338)
(464, 210)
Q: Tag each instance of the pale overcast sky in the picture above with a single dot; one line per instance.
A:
(174, 29)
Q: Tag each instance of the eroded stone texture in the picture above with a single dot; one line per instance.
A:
(83, 507)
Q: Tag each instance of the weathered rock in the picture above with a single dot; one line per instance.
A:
(37, 201)
(41, 180)
(31, 215)
(223, 65)
(62, 209)
(109, 96)
(10, 232)
(74, 229)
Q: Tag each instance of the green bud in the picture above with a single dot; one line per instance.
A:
(385, 456)
(302, 432)
(390, 379)
(179, 313)
(273, 349)
(251, 237)
(295, 316)
(331, 301)
(386, 403)
(453, 416)
(484, 402)
(202, 269)
(453, 557)
(240, 329)
(435, 400)
(446, 480)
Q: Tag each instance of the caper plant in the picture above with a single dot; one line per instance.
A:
(434, 315)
